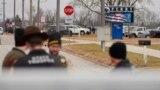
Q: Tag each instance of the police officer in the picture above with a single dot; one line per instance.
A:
(37, 56)
(17, 52)
(118, 54)
(54, 45)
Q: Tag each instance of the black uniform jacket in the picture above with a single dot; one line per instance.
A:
(123, 66)
(37, 58)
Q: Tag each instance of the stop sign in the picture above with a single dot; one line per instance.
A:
(68, 10)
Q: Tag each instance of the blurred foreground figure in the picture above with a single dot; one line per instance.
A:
(54, 45)
(118, 54)
(37, 56)
(17, 52)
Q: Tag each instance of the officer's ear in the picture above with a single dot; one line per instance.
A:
(28, 45)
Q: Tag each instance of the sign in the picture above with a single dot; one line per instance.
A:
(120, 17)
(69, 20)
(43, 19)
(117, 31)
(144, 42)
(119, 14)
(116, 9)
(68, 10)
(103, 33)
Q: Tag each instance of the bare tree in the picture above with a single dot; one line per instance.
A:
(33, 12)
(35, 15)
(50, 16)
(146, 17)
(94, 5)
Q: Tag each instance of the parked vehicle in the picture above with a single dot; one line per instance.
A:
(127, 29)
(1, 30)
(139, 32)
(145, 34)
(155, 33)
(75, 29)
(63, 30)
(69, 30)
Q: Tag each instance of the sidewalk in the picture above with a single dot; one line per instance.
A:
(130, 48)
(4, 49)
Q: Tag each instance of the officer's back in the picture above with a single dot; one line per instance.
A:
(37, 57)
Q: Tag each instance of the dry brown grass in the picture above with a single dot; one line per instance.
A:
(94, 53)
(155, 46)
(64, 42)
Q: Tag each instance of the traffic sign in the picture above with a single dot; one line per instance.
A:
(68, 10)
(43, 19)
(69, 20)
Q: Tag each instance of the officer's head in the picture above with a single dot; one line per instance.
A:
(19, 37)
(118, 52)
(54, 43)
(34, 37)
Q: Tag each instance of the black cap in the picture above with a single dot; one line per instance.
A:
(54, 38)
(19, 37)
(118, 50)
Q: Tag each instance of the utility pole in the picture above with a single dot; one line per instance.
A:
(22, 12)
(30, 13)
(38, 17)
(129, 2)
(58, 15)
(14, 15)
(103, 22)
(4, 14)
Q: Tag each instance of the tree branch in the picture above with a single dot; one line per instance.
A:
(134, 2)
(89, 8)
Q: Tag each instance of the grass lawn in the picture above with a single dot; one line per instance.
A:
(155, 46)
(64, 41)
(93, 52)
(86, 37)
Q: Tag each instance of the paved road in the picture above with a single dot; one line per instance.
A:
(80, 64)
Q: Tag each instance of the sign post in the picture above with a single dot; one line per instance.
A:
(68, 10)
(145, 43)
(103, 34)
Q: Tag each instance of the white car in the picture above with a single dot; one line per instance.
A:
(75, 29)
(137, 31)
(1, 31)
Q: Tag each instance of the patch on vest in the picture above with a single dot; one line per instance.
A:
(40, 60)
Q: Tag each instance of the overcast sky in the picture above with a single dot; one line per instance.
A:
(51, 5)
(45, 5)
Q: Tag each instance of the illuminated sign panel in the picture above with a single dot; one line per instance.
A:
(119, 14)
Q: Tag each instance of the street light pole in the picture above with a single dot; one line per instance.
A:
(58, 15)
(30, 12)
(38, 17)
(103, 22)
(22, 12)
(14, 15)
(4, 15)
